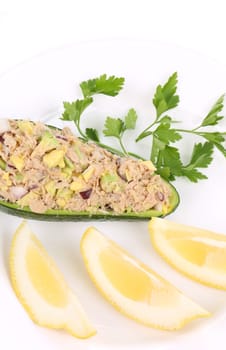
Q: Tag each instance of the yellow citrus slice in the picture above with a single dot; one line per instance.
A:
(41, 288)
(133, 288)
(200, 254)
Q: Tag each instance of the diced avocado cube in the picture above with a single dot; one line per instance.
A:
(63, 195)
(110, 183)
(26, 126)
(77, 185)
(54, 158)
(18, 162)
(61, 163)
(47, 143)
(25, 200)
(67, 172)
(51, 188)
(6, 179)
(87, 174)
(61, 202)
(68, 163)
(77, 151)
(19, 177)
(2, 164)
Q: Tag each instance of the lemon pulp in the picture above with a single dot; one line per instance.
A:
(44, 278)
(198, 253)
(134, 281)
(201, 253)
(125, 276)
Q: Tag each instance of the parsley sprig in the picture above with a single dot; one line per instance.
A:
(161, 130)
(117, 127)
(103, 85)
(163, 154)
(73, 111)
(114, 127)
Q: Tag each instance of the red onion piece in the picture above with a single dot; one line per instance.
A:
(160, 196)
(118, 162)
(17, 192)
(61, 138)
(86, 194)
(118, 170)
(33, 187)
(11, 166)
(123, 177)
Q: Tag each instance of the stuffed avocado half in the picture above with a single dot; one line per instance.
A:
(49, 174)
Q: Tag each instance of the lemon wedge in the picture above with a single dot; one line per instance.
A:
(41, 288)
(133, 288)
(200, 254)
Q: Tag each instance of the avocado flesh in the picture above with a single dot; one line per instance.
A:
(65, 215)
(26, 126)
(110, 183)
(54, 158)
(2, 164)
(47, 143)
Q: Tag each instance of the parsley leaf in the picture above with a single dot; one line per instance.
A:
(201, 156)
(157, 146)
(165, 173)
(216, 138)
(113, 127)
(170, 164)
(168, 119)
(163, 135)
(166, 134)
(221, 148)
(169, 158)
(73, 110)
(143, 135)
(110, 86)
(165, 97)
(194, 175)
(116, 127)
(92, 134)
(212, 117)
(131, 119)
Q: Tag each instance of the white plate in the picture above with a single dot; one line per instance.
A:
(36, 90)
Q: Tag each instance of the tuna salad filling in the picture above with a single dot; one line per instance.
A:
(44, 168)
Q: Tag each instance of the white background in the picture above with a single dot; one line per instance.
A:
(30, 27)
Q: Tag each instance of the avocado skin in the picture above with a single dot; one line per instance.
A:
(70, 216)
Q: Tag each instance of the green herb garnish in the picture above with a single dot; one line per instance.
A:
(162, 130)
(117, 127)
(103, 85)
